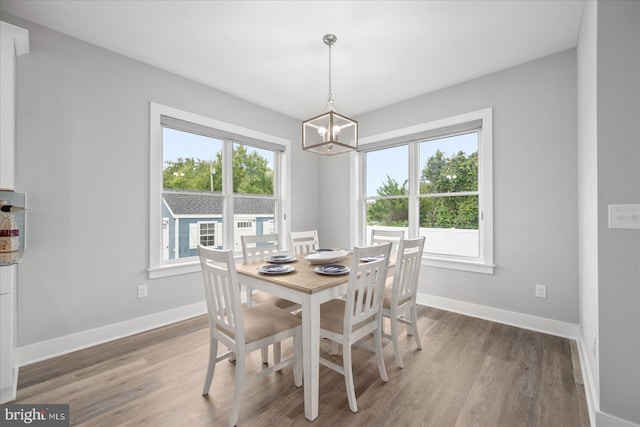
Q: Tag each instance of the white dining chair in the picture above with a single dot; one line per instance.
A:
(304, 242)
(400, 297)
(357, 316)
(242, 330)
(387, 236)
(258, 248)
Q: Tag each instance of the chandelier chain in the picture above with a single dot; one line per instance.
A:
(330, 96)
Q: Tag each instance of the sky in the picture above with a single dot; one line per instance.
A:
(178, 144)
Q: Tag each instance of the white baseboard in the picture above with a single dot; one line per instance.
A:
(58, 346)
(596, 416)
(606, 420)
(526, 321)
(590, 390)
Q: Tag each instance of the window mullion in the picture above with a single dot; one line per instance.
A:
(227, 193)
(414, 189)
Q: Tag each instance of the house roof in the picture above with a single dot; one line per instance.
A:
(197, 203)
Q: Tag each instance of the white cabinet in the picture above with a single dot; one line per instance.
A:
(8, 367)
(14, 42)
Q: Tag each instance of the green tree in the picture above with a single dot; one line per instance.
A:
(251, 173)
(390, 212)
(442, 175)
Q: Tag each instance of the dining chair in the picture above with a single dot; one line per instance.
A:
(242, 330)
(304, 242)
(400, 297)
(383, 236)
(259, 248)
(357, 316)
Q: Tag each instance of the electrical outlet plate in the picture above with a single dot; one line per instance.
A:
(624, 216)
(142, 291)
(541, 291)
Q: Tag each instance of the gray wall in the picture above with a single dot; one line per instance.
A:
(83, 160)
(535, 185)
(618, 145)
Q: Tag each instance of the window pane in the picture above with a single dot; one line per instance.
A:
(388, 212)
(450, 225)
(252, 170)
(191, 218)
(449, 164)
(252, 216)
(387, 171)
(190, 161)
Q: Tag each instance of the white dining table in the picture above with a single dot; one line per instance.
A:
(309, 289)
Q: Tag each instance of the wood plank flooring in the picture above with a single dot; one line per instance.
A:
(470, 372)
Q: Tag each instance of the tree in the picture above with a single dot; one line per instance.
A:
(442, 175)
(393, 212)
(251, 173)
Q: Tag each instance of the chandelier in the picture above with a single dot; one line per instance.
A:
(329, 133)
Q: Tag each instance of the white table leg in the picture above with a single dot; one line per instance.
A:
(311, 356)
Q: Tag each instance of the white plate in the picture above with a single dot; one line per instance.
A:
(276, 269)
(371, 258)
(281, 259)
(326, 257)
(331, 269)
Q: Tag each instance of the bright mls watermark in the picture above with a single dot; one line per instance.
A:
(34, 415)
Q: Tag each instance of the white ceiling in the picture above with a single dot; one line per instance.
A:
(271, 52)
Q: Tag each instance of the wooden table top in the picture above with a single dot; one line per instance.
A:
(303, 279)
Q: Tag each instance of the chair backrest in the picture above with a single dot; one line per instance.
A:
(384, 236)
(407, 270)
(304, 242)
(222, 293)
(259, 247)
(366, 284)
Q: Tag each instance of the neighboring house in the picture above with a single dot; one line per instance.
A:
(193, 218)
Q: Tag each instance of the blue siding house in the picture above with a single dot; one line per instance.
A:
(190, 218)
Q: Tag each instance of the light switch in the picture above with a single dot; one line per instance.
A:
(624, 216)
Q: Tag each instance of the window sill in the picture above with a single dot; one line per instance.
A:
(189, 265)
(456, 264)
(168, 270)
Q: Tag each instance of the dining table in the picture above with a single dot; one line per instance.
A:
(309, 289)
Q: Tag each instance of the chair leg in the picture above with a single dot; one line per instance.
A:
(334, 348)
(414, 325)
(394, 338)
(213, 354)
(348, 377)
(264, 351)
(379, 356)
(297, 367)
(277, 352)
(239, 388)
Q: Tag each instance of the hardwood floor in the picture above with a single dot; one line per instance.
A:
(470, 372)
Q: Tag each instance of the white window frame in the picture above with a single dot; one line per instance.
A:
(158, 267)
(484, 263)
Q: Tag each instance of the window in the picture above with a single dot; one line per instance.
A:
(432, 180)
(202, 233)
(211, 183)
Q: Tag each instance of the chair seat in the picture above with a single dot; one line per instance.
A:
(332, 316)
(386, 299)
(267, 298)
(263, 320)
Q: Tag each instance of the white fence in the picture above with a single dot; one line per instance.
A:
(445, 241)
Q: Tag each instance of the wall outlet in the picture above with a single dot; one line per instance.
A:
(142, 291)
(541, 291)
